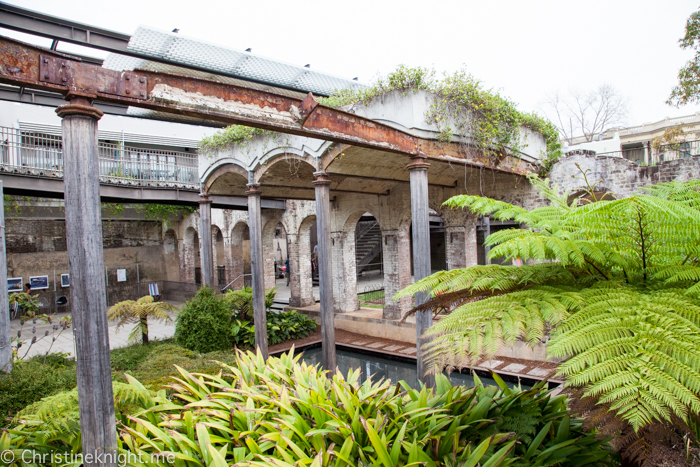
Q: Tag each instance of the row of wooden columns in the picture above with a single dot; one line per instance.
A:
(86, 264)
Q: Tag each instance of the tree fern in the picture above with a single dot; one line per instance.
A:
(137, 313)
(614, 283)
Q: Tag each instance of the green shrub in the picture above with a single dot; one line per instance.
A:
(279, 412)
(288, 325)
(240, 302)
(281, 327)
(32, 380)
(203, 324)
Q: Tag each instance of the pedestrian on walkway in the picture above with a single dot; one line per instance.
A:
(286, 270)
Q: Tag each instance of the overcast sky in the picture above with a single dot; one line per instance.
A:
(523, 48)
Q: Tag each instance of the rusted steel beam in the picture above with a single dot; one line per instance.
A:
(26, 65)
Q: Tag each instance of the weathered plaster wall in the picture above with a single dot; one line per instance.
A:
(619, 175)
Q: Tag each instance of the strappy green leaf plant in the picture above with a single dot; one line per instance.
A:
(615, 284)
(282, 412)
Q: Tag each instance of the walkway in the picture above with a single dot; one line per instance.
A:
(64, 342)
(368, 282)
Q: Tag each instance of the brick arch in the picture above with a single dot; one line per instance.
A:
(283, 154)
(221, 171)
(330, 152)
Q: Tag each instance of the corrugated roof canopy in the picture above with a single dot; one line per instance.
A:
(254, 71)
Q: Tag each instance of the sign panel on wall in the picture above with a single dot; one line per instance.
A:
(14, 284)
(121, 275)
(39, 282)
(65, 280)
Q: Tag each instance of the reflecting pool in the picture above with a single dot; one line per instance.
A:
(380, 367)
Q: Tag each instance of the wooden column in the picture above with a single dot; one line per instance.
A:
(87, 279)
(5, 332)
(205, 241)
(325, 272)
(420, 216)
(257, 269)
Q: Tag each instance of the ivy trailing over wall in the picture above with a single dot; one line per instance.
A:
(462, 107)
(233, 135)
(163, 213)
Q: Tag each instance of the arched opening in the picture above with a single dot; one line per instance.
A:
(288, 177)
(240, 257)
(218, 256)
(189, 256)
(197, 259)
(368, 249)
(171, 256)
(438, 251)
(357, 255)
(280, 253)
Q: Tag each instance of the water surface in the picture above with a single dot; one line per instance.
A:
(379, 367)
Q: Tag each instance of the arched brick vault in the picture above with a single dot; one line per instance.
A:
(227, 179)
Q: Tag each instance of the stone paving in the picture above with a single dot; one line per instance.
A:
(64, 342)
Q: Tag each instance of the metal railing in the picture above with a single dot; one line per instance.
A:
(246, 282)
(667, 152)
(42, 155)
(371, 296)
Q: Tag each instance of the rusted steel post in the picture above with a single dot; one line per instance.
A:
(205, 241)
(420, 216)
(257, 269)
(325, 277)
(86, 266)
(5, 332)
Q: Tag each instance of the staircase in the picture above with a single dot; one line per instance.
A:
(368, 245)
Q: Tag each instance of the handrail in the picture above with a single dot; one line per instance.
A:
(365, 230)
(230, 283)
(39, 154)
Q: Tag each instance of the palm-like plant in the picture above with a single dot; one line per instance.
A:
(614, 283)
(138, 312)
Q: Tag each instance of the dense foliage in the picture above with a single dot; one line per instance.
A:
(281, 327)
(615, 283)
(32, 380)
(240, 302)
(137, 312)
(462, 106)
(228, 321)
(284, 413)
(687, 91)
(203, 324)
(153, 365)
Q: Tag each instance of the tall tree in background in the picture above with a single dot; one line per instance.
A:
(586, 113)
(688, 89)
